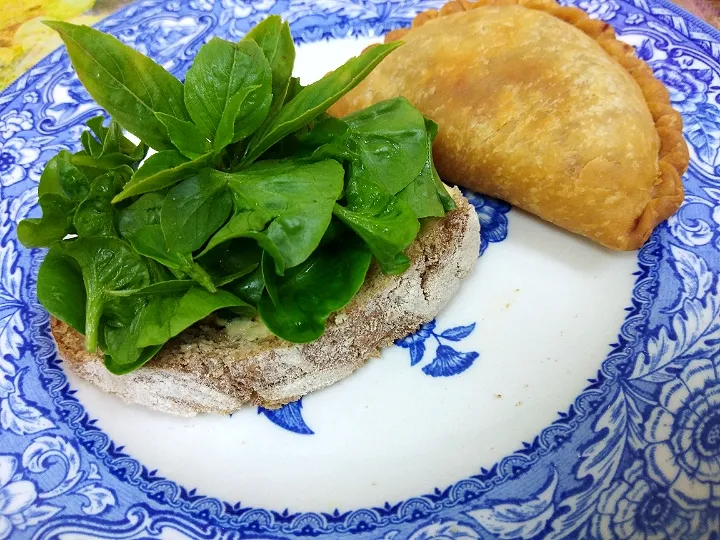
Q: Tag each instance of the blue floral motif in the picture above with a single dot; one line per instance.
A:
(600, 9)
(24, 503)
(16, 155)
(16, 495)
(687, 90)
(288, 417)
(15, 121)
(690, 83)
(684, 436)
(202, 5)
(492, 214)
(636, 507)
(635, 18)
(445, 530)
(704, 132)
(520, 518)
(447, 361)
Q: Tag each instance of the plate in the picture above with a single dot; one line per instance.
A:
(565, 392)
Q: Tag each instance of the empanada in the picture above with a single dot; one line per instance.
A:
(541, 106)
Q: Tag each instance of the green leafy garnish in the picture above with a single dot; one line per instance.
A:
(254, 202)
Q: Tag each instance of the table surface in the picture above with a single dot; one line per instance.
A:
(24, 40)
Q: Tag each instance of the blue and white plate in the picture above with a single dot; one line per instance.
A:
(566, 392)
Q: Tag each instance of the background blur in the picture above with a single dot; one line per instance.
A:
(24, 40)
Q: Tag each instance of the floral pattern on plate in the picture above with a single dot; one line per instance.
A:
(635, 456)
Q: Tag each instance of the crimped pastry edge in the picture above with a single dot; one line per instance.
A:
(673, 158)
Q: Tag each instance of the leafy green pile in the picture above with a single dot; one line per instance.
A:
(256, 200)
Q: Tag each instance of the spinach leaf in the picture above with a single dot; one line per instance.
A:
(95, 216)
(139, 223)
(60, 289)
(422, 194)
(162, 287)
(249, 287)
(387, 233)
(120, 330)
(185, 136)
(128, 85)
(316, 98)
(194, 210)
(165, 316)
(164, 171)
(273, 37)
(62, 187)
(231, 260)
(296, 306)
(149, 242)
(222, 69)
(387, 145)
(144, 211)
(445, 198)
(61, 177)
(106, 264)
(54, 225)
(284, 205)
(427, 195)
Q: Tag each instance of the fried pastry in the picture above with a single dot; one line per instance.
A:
(543, 107)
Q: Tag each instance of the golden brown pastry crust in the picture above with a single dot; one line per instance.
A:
(613, 227)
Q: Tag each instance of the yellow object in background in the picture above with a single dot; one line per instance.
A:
(24, 40)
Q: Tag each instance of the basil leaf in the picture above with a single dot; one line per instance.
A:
(194, 210)
(102, 163)
(165, 316)
(284, 205)
(185, 136)
(295, 307)
(60, 289)
(387, 233)
(157, 177)
(128, 85)
(107, 264)
(316, 98)
(231, 260)
(95, 216)
(238, 120)
(91, 144)
(273, 37)
(220, 70)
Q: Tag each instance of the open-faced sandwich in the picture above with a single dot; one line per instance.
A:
(263, 250)
(268, 249)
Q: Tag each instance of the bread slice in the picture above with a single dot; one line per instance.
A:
(218, 367)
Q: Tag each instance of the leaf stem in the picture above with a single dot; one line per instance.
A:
(92, 321)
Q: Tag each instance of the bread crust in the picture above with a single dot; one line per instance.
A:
(206, 369)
